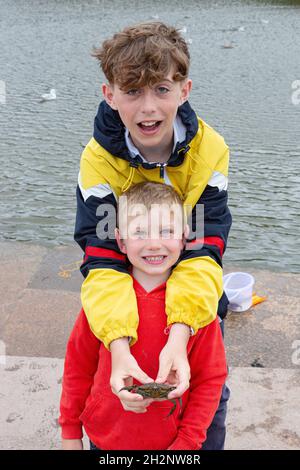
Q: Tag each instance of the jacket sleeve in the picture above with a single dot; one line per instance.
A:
(208, 375)
(107, 293)
(196, 283)
(81, 364)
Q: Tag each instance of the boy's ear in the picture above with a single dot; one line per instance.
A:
(120, 242)
(185, 90)
(108, 94)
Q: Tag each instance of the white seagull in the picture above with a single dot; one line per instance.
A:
(49, 96)
(228, 45)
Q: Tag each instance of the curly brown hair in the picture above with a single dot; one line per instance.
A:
(143, 54)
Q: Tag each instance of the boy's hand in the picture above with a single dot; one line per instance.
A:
(174, 367)
(72, 444)
(124, 369)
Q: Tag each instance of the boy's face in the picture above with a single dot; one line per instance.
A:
(149, 113)
(154, 240)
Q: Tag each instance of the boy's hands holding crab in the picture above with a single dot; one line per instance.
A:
(174, 369)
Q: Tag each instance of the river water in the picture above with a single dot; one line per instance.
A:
(245, 92)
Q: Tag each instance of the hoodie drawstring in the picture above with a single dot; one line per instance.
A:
(129, 180)
(192, 159)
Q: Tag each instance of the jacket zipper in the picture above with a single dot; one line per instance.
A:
(161, 166)
(161, 169)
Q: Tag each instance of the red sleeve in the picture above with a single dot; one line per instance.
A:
(208, 374)
(81, 364)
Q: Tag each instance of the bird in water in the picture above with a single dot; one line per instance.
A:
(227, 45)
(49, 96)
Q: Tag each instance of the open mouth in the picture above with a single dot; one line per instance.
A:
(159, 259)
(149, 126)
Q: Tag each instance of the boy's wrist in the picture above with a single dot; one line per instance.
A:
(72, 444)
(179, 332)
(120, 345)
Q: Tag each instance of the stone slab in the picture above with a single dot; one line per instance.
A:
(59, 270)
(264, 409)
(39, 323)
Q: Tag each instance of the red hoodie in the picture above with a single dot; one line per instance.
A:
(87, 398)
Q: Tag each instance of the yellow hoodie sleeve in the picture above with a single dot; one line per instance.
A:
(193, 291)
(109, 302)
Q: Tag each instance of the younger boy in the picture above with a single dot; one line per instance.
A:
(152, 240)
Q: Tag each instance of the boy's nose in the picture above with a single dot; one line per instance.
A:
(148, 103)
(154, 244)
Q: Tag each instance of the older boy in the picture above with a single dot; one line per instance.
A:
(145, 130)
(152, 239)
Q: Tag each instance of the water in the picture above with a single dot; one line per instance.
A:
(245, 92)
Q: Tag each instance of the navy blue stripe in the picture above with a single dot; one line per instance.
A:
(103, 263)
(87, 220)
(217, 217)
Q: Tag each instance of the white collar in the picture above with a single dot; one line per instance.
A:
(179, 136)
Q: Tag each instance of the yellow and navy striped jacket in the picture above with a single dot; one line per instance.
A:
(198, 171)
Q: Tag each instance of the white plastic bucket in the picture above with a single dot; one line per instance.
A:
(239, 289)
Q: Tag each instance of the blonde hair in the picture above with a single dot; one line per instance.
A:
(148, 195)
(144, 54)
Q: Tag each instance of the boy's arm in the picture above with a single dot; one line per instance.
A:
(107, 293)
(208, 374)
(196, 283)
(81, 364)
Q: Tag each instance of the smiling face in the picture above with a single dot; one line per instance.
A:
(153, 243)
(149, 113)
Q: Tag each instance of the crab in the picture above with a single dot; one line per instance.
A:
(155, 390)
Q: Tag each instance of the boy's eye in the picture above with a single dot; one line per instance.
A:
(162, 90)
(140, 234)
(133, 92)
(166, 233)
